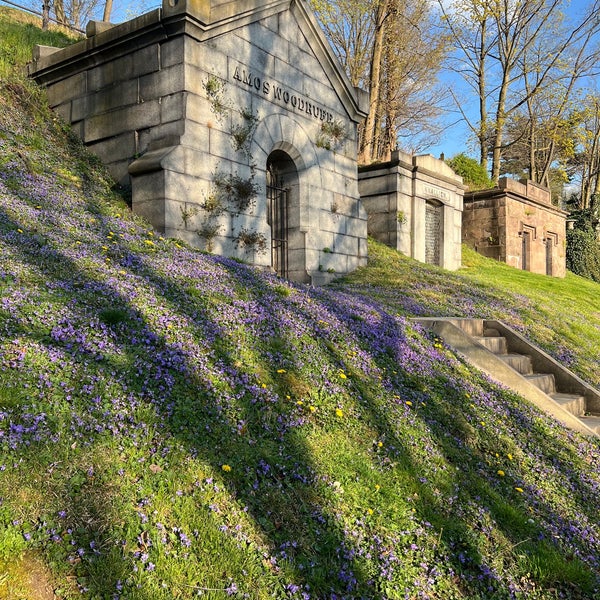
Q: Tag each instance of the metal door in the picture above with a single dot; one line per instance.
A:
(277, 198)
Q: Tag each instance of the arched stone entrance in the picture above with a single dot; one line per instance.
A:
(282, 199)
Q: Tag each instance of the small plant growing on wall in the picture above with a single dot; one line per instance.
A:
(214, 204)
(187, 213)
(214, 87)
(241, 134)
(241, 192)
(251, 240)
(208, 233)
(331, 134)
(401, 217)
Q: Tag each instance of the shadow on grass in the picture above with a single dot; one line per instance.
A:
(226, 403)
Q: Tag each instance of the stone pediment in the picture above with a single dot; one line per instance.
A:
(203, 20)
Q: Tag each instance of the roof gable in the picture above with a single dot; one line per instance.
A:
(211, 18)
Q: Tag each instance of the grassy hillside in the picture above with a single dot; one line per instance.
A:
(179, 425)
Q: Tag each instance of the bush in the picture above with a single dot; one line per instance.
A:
(473, 174)
(583, 253)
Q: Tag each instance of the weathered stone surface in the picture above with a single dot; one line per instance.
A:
(113, 97)
(109, 124)
(67, 89)
(178, 105)
(395, 195)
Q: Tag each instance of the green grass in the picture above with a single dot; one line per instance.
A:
(175, 425)
(561, 315)
(19, 33)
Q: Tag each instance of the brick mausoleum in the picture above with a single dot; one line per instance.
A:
(517, 223)
(232, 122)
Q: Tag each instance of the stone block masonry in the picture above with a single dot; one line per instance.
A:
(517, 223)
(414, 204)
(227, 119)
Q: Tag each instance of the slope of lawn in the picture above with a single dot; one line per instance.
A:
(560, 315)
(179, 425)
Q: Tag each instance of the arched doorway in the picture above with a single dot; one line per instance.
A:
(283, 201)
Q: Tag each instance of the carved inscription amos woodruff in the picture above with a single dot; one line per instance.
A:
(281, 95)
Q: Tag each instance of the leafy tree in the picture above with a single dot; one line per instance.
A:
(391, 48)
(512, 54)
(474, 174)
(583, 253)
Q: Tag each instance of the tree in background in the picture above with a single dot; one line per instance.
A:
(517, 57)
(391, 48)
(584, 165)
(474, 175)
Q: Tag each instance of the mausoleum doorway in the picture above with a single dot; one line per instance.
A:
(283, 215)
(282, 192)
(433, 232)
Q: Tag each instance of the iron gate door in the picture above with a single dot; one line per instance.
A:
(277, 197)
(433, 223)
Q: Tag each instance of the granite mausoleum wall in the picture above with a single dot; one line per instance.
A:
(517, 223)
(414, 204)
(232, 122)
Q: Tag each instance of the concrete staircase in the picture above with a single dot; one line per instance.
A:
(509, 358)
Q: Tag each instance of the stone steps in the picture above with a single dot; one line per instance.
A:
(592, 421)
(513, 360)
(574, 403)
(495, 342)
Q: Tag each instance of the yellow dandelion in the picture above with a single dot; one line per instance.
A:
(78, 243)
(369, 511)
(300, 402)
(118, 215)
(105, 248)
(38, 207)
(281, 370)
(377, 487)
(510, 456)
(107, 259)
(20, 230)
(226, 468)
(312, 408)
(379, 444)
(408, 403)
(264, 385)
(149, 242)
(501, 472)
(520, 490)
(288, 397)
(342, 375)
(482, 423)
(339, 412)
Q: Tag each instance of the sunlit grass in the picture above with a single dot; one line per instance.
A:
(179, 425)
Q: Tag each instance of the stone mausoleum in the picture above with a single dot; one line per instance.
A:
(414, 204)
(233, 124)
(517, 223)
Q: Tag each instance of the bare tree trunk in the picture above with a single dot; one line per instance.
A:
(59, 12)
(366, 153)
(45, 14)
(107, 10)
